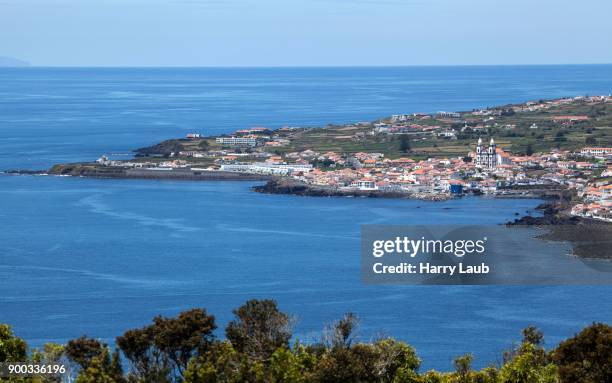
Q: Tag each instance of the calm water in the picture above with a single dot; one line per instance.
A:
(53, 115)
(96, 257)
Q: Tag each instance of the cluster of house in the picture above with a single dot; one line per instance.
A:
(490, 171)
(534, 106)
(372, 171)
(596, 194)
(597, 203)
(438, 124)
(482, 119)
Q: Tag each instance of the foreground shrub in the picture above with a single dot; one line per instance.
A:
(12, 348)
(257, 350)
(586, 357)
(259, 329)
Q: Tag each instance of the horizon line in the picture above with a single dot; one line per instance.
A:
(293, 66)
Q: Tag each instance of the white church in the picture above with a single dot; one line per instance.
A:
(491, 157)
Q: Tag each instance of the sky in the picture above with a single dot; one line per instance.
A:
(305, 32)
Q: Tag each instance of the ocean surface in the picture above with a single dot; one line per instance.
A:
(97, 257)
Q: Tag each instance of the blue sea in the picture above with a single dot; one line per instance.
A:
(98, 257)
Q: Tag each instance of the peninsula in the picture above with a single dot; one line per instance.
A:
(558, 149)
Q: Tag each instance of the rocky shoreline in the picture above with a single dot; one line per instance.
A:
(590, 239)
(25, 172)
(116, 172)
(290, 186)
(553, 213)
(273, 185)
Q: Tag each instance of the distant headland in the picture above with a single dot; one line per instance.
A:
(6, 61)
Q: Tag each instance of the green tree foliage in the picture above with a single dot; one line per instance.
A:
(103, 368)
(404, 146)
(529, 362)
(183, 349)
(220, 363)
(533, 335)
(180, 338)
(89, 359)
(147, 363)
(433, 377)
(340, 334)
(162, 350)
(341, 364)
(12, 348)
(529, 365)
(259, 329)
(384, 361)
(487, 375)
(587, 357)
(51, 353)
(590, 140)
(395, 360)
(560, 136)
(292, 366)
(342, 360)
(463, 368)
(83, 350)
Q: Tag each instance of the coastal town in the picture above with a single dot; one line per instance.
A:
(523, 150)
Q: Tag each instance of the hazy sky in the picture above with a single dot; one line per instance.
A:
(305, 32)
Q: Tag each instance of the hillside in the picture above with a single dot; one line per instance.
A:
(521, 129)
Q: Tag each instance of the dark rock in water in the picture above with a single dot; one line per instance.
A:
(546, 219)
(296, 188)
(589, 238)
(552, 214)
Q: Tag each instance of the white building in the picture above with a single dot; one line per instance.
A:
(448, 134)
(267, 168)
(103, 160)
(400, 117)
(596, 152)
(448, 115)
(242, 142)
(364, 185)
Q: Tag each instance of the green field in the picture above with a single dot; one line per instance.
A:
(521, 139)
